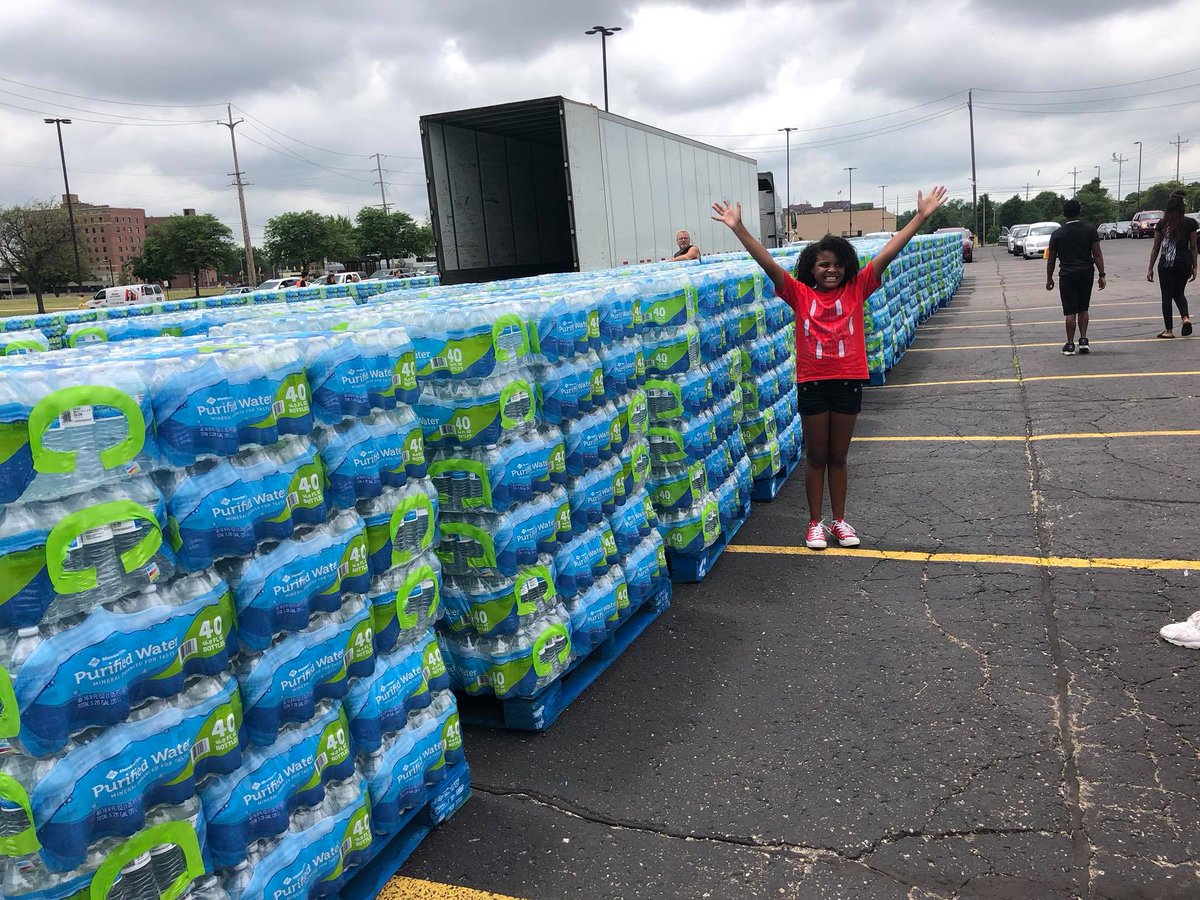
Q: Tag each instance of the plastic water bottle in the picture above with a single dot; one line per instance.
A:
(137, 880)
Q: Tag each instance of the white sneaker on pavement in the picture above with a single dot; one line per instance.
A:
(1183, 634)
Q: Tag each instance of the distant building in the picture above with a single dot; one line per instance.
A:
(815, 225)
(113, 236)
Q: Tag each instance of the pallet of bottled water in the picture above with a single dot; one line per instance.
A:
(56, 327)
(218, 670)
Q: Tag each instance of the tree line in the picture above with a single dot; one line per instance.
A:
(35, 245)
(1046, 206)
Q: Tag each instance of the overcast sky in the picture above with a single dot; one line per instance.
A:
(876, 85)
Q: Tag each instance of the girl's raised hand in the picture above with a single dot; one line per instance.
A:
(730, 215)
(927, 206)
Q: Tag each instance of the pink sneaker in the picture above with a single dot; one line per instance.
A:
(845, 535)
(815, 539)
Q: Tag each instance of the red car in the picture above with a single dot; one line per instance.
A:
(968, 241)
(1143, 223)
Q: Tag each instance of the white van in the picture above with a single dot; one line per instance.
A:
(126, 295)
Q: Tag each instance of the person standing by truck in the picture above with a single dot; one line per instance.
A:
(687, 250)
(827, 295)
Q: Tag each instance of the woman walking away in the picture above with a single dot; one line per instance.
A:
(827, 295)
(1175, 249)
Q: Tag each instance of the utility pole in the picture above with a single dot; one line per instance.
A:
(787, 149)
(251, 274)
(1074, 180)
(1177, 142)
(59, 123)
(1027, 190)
(1120, 161)
(382, 196)
(974, 183)
(882, 208)
(1139, 187)
(851, 169)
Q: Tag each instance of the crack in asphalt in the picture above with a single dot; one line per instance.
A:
(1080, 839)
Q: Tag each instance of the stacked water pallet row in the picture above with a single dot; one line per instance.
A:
(215, 655)
(921, 280)
(535, 420)
(698, 322)
(770, 416)
(54, 326)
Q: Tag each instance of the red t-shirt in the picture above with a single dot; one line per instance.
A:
(829, 327)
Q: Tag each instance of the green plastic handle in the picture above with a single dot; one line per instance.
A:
(178, 833)
(54, 405)
(77, 523)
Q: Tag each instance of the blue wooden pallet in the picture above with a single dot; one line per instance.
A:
(539, 712)
(390, 852)
(688, 568)
(878, 378)
(767, 489)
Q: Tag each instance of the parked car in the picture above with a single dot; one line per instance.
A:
(880, 234)
(968, 240)
(341, 278)
(1004, 234)
(125, 295)
(1106, 230)
(1016, 239)
(1143, 223)
(1195, 215)
(239, 289)
(1038, 239)
(1122, 229)
(384, 274)
(278, 284)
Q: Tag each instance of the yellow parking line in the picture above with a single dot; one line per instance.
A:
(401, 888)
(1020, 438)
(1100, 346)
(1063, 562)
(1018, 309)
(1037, 378)
(1058, 321)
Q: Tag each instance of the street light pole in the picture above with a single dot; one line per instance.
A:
(787, 155)
(850, 170)
(58, 124)
(605, 33)
(1139, 188)
(882, 208)
(1097, 168)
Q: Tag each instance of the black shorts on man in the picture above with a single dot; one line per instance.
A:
(1075, 291)
(834, 395)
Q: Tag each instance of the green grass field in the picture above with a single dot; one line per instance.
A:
(24, 306)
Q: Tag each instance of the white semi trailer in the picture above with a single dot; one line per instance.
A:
(552, 185)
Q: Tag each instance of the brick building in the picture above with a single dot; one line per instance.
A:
(109, 235)
(112, 236)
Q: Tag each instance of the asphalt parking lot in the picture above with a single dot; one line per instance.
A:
(975, 703)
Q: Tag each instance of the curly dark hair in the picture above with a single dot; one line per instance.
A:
(839, 247)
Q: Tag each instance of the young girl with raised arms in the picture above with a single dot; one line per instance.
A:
(827, 295)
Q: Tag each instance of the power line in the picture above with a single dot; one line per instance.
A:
(163, 124)
(1105, 87)
(46, 90)
(1083, 112)
(834, 142)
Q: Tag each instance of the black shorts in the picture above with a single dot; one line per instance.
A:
(835, 395)
(1075, 291)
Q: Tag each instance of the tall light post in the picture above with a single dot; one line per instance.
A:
(59, 123)
(850, 170)
(605, 33)
(1139, 187)
(882, 208)
(1097, 168)
(787, 155)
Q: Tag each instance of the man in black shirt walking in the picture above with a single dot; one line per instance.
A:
(1077, 246)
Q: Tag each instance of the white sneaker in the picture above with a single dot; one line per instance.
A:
(1183, 634)
(815, 538)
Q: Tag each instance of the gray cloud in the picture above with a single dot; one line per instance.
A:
(356, 79)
